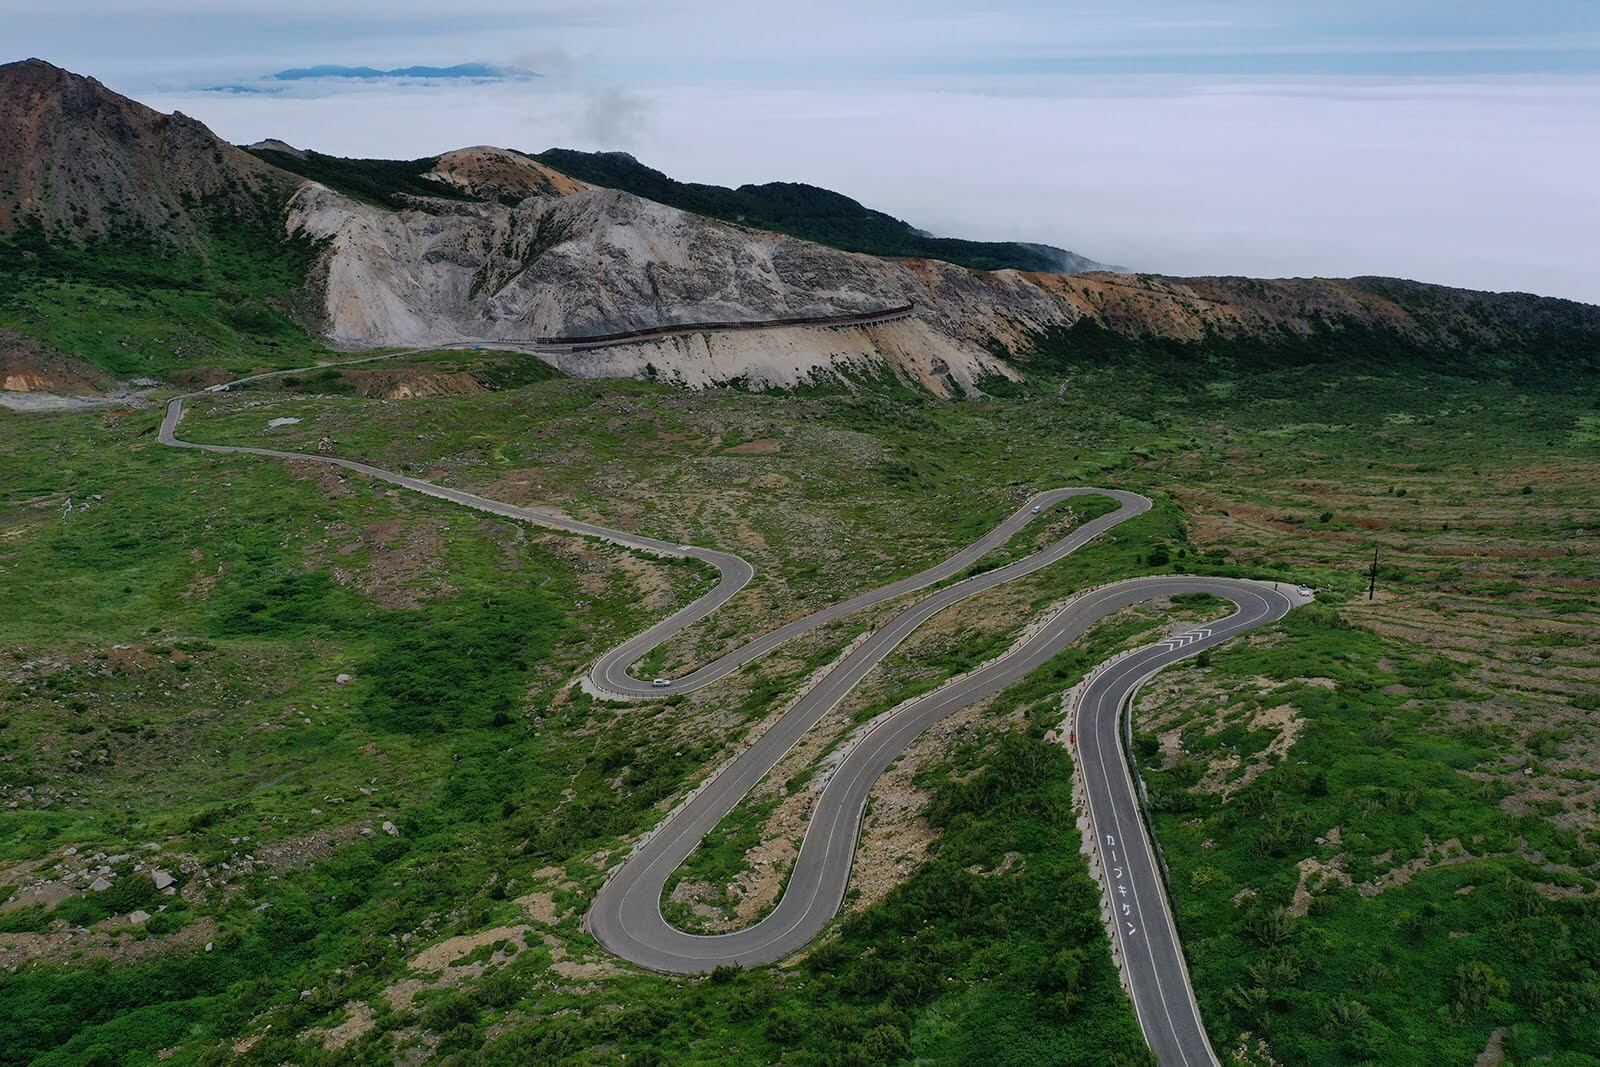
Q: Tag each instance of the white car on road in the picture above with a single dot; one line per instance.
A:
(661, 683)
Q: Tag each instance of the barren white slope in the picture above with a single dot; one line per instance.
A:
(602, 261)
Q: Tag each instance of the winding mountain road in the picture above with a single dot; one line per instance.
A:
(626, 915)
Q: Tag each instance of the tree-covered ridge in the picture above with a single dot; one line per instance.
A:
(794, 208)
(810, 213)
(390, 183)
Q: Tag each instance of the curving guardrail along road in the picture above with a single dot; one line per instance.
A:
(626, 915)
(558, 345)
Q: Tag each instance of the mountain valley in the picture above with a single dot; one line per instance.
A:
(306, 750)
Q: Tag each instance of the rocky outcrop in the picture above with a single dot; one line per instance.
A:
(785, 357)
(82, 161)
(595, 262)
(578, 261)
(598, 261)
(26, 366)
(1464, 328)
(273, 144)
(501, 174)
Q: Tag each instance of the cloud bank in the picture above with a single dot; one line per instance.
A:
(1479, 184)
(1447, 140)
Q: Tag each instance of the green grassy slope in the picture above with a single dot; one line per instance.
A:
(243, 588)
(1370, 967)
(136, 307)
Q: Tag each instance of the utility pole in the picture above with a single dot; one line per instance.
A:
(1372, 579)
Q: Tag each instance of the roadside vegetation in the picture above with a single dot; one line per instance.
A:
(398, 863)
(1381, 863)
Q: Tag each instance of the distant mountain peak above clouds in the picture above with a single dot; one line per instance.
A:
(335, 74)
(479, 71)
(274, 144)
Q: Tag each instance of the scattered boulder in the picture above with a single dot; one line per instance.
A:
(162, 879)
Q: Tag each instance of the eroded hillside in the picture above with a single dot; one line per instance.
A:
(487, 245)
(84, 162)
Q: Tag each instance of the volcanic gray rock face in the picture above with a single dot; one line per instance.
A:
(595, 262)
(600, 261)
(542, 255)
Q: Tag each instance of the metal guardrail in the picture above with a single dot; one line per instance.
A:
(847, 318)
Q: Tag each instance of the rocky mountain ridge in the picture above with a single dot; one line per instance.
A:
(488, 245)
(813, 214)
(81, 161)
(594, 261)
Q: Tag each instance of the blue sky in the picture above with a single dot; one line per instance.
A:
(1451, 141)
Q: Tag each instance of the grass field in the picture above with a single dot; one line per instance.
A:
(173, 646)
(138, 309)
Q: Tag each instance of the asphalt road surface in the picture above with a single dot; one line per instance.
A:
(610, 672)
(626, 915)
(1146, 939)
